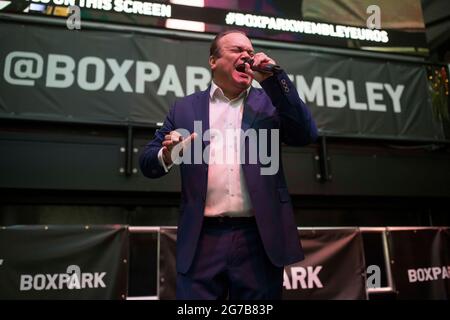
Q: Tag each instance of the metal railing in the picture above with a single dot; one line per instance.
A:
(390, 288)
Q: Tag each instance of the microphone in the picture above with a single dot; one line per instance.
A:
(267, 68)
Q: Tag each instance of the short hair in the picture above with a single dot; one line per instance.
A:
(214, 50)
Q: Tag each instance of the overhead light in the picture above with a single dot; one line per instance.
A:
(185, 25)
(37, 7)
(191, 3)
(4, 4)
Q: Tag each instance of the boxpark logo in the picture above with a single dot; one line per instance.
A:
(428, 274)
(72, 279)
(307, 277)
(108, 74)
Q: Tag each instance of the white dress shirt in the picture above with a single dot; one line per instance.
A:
(227, 193)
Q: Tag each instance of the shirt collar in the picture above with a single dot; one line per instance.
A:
(215, 89)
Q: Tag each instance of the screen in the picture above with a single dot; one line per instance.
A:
(382, 25)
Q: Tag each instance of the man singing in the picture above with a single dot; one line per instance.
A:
(236, 228)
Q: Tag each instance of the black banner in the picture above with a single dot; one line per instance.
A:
(334, 267)
(420, 262)
(63, 262)
(55, 73)
(167, 264)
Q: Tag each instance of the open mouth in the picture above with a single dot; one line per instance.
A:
(241, 67)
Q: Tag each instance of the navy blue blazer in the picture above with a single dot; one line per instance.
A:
(276, 106)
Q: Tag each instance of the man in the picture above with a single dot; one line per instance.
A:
(236, 228)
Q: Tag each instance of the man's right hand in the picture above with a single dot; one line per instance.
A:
(170, 141)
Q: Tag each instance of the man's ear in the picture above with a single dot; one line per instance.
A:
(212, 62)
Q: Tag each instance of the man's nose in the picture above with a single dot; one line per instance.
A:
(245, 56)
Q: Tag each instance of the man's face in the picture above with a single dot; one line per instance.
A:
(234, 48)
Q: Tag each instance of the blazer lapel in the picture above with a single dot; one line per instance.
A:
(251, 109)
(202, 113)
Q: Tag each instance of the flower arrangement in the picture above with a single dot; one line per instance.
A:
(438, 86)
